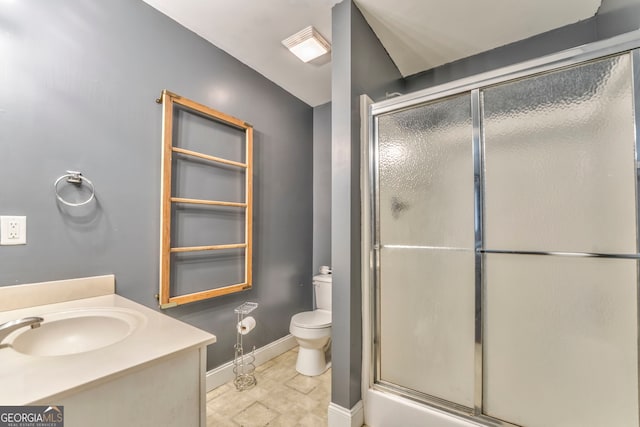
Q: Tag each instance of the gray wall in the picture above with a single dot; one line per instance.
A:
(617, 17)
(78, 80)
(321, 186)
(360, 66)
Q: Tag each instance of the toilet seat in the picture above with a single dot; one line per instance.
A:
(315, 319)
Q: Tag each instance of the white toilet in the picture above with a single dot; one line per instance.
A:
(312, 329)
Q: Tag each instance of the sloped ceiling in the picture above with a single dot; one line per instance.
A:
(423, 34)
(418, 34)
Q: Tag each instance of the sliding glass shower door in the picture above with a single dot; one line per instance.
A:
(561, 334)
(506, 249)
(426, 234)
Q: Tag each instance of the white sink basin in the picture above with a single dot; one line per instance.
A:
(76, 331)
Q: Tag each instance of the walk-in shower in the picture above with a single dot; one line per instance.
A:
(502, 263)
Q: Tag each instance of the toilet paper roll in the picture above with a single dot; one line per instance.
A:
(246, 325)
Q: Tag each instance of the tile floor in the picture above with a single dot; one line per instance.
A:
(281, 397)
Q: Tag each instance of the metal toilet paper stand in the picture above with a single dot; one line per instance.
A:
(243, 364)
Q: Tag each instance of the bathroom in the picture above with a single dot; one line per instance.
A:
(79, 84)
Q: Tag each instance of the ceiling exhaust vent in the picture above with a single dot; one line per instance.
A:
(307, 44)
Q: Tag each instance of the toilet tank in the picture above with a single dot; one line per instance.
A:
(322, 291)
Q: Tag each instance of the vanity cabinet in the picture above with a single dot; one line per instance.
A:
(168, 393)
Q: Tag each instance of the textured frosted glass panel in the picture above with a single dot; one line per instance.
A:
(561, 341)
(427, 322)
(426, 175)
(559, 161)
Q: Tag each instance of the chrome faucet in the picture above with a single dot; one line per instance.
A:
(8, 327)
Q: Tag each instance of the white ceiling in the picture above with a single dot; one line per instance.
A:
(418, 34)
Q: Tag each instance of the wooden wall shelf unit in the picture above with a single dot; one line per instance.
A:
(170, 102)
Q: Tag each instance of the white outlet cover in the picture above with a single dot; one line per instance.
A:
(13, 230)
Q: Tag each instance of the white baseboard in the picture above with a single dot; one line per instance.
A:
(342, 417)
(224, 373)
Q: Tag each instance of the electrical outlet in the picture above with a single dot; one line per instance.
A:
(13, 230)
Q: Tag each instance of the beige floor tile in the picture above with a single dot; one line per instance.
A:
(256, 415)
(280, 402)
(303, 384)
(281, 398)
(219, 391)
(284, 399)
(289, 418)
(285, 420)
(280, 371)
(229, 404)
(213, 421)
(321, 393)
(266, 365)
(321, 409)
(257, 392)
(325, 378)
(311, 420)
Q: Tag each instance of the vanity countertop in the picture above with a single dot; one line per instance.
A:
(29, 379)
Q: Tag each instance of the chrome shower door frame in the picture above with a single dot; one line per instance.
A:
(626, 44)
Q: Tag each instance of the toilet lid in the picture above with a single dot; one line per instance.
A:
(312, 319)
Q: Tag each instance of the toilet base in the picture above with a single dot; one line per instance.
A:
(311, 361)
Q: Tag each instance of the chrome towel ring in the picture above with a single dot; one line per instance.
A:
(74, 177)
